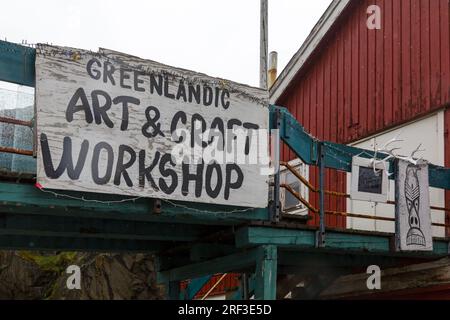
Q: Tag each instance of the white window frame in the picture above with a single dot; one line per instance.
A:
(303, 169)
(355, 194)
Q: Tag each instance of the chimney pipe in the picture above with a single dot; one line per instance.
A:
(273, 64)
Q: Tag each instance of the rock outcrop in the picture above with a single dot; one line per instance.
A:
(31, 275)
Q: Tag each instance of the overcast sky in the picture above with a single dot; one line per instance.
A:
(220, 38)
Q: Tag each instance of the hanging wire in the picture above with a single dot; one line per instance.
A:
(206, 211)
(61, 195)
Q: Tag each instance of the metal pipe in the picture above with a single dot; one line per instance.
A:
(16, 122)
(343, 214)
(309, 185)
(273, 68)
(335, 193)
(16, 151)
(299, 197)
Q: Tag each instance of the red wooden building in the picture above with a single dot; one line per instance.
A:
(349, 83)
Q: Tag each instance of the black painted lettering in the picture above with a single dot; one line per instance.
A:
(181, 91)
(207, 96)
(101, 111)
(197, 177)
(124, 75)
(166, 172)
(145, 173)
(237, 183)
(195, 93)
(138, 81)
(179, 116)
(197, 131)
(121, 169)
(156, 85)
(125, 101)
(95, 163)
(167, 92)
(213, 192)
(108, 72)
(225, 99)
(94, 73)
(66, 163)
(217, 130)
(249, 126)
(74, 107)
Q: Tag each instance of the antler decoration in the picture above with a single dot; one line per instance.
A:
(390, 152)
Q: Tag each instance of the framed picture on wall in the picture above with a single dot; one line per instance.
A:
(369, 184)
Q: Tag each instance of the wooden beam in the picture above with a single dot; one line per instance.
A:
(338, 156)
(204, 251)
(337, 241)
(230, 263)
(67, 226)
(14, 196)
(41, 243)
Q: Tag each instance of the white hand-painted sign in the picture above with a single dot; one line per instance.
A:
(112, 123)
(413, 215)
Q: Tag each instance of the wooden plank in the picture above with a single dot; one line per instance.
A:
(444, 18)
(380, 69)
(371, 78)
(406, 58)
(366, 71)
(348, 89)
(416, 80)
(13, 199)
(314, 103)
(350, 241)
(397, 62)
(98, 245)
(435, 54)
(340, 101)
(290, 238)
(77, 227)
(131, 148)
(425, 62)
(355, 63)
(388, 81)
(224, 264)
(251, 236)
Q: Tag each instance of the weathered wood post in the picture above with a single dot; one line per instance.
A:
(264, 47)
(266, 273)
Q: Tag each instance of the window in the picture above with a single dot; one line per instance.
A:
(289, 203)
(16, 102)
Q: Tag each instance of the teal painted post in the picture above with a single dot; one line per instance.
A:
(173, 290)
(266, 274)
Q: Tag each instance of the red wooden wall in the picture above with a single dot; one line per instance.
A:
(360, 81)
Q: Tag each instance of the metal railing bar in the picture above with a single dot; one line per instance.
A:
(16, 122)
(16, 151)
